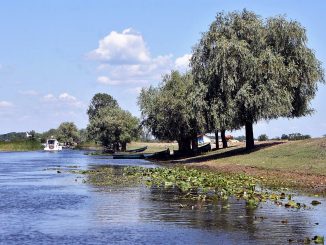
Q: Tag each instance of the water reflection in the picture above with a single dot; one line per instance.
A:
(38, 205)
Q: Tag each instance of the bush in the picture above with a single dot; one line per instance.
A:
(298, 136)
(262, 137)
(284, 137)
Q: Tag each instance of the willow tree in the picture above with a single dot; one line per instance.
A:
(114, 127)
(111, 125)
(67, 132)
(100, 101)
(169, 110)
(255, 69)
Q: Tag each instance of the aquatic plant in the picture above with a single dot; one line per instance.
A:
(204, 185)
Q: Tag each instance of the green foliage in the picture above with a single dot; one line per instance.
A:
(262, 137)
(255, 69)
(48, 134)
(83, 136)
(240, 138)
(13, 136)
(298, 136)
(100, 101)
(284, 137)
(113, 126)
(20, 145)
(67, 133)
(170, 110)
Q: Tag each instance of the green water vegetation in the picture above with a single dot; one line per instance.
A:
(108, 176)
(20, 145)
(192, 184)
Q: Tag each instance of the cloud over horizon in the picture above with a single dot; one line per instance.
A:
(124, 59)
(63, 98)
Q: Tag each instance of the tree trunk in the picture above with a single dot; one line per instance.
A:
(123, 146)
(225, 143)
(216, 140)
(184, 145)
(194, 143)
(116, 146)
(249, 136)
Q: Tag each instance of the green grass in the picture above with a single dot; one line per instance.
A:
(301, 156)
(27, 145)
(152, 146)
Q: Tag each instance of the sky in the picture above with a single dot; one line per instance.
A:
(55, 55)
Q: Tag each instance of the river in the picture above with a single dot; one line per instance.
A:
(41, 202)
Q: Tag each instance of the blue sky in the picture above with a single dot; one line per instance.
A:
(55, 55)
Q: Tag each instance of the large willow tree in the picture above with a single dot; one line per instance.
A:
(169, 110)
(255, 69)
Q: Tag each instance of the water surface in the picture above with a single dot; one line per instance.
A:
(38, 205)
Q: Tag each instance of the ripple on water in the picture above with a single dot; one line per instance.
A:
(40, 206)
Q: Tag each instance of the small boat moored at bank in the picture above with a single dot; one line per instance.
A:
(128, 156)
(138, 149)
(52, 145)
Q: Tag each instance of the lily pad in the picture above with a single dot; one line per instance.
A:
(315, 202)
(318, 239)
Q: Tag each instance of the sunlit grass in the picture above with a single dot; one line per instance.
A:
(303, 155)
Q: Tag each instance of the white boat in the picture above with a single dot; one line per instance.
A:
(52, 145)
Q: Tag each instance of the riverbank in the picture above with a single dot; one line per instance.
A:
(26, 145)
(295, 164)
(152, 147)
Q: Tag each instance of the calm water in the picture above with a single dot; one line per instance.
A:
(40, 206)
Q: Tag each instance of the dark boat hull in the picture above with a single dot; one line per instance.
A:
(128, 156)
(138, 150)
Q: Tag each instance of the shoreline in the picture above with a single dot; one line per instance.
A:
(296, 180)
(298, 165)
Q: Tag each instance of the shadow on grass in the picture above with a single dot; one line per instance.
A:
(226, 154)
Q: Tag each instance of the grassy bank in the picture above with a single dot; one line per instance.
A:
(27, 145)
(307, 156)
(294, 163)
(152, 146)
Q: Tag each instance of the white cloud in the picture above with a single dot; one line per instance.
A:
(67, 97)
(126, 47)
(125, 59)
(63, 99)
(5, 104)
(182, 63)
(107, 81)
(49, 97)
(134, 91)
(29, 92)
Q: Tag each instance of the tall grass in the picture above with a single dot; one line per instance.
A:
(22, 145)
